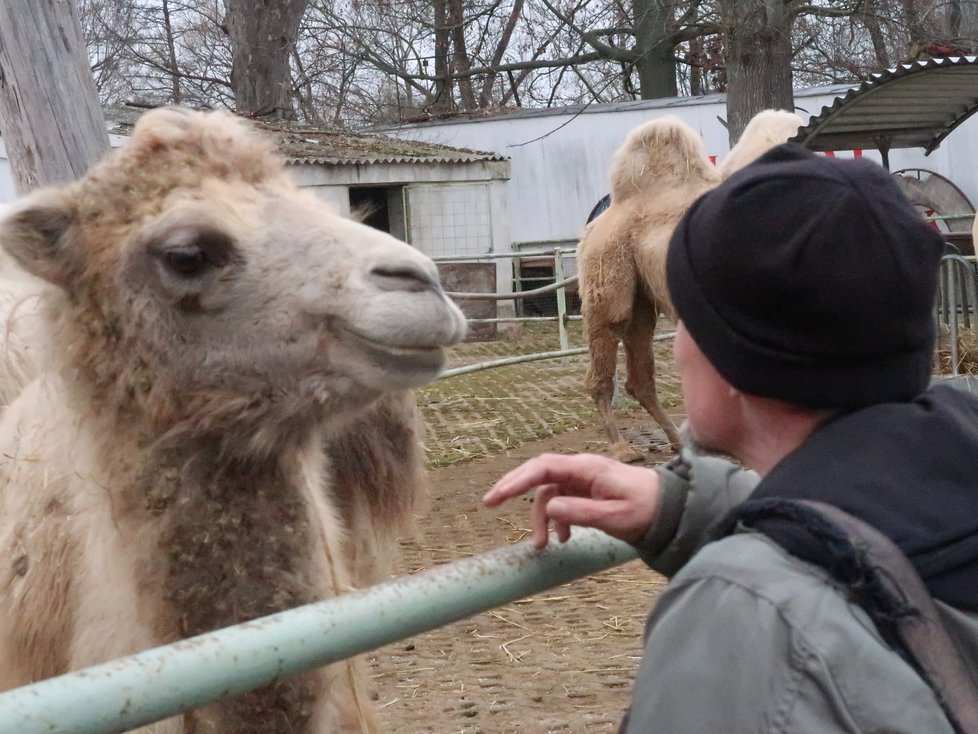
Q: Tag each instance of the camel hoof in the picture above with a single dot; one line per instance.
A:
(626, 454)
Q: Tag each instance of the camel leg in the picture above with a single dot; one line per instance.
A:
(603, 349)
(640, 367)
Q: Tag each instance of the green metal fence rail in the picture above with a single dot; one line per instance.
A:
(153, 685)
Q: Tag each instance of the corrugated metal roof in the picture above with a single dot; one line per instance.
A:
(311, 145)
(914, 105)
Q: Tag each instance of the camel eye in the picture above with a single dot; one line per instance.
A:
(189, 260)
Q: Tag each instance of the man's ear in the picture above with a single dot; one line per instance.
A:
(37, 232)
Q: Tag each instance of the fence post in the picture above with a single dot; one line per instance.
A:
(517, 266)
(952, 297)
(561, 299)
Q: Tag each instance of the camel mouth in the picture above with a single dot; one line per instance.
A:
(408, 365)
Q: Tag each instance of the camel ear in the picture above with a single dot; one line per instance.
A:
(37, 233)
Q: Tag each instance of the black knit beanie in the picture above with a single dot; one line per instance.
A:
(811, 280)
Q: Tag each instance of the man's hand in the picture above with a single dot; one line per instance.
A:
(583, 489)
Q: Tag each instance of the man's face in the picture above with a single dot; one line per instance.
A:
(711, 409)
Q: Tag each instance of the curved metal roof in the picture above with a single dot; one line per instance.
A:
(914, 105)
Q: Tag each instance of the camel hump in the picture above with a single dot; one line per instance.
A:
(665, 152)
(767, 129)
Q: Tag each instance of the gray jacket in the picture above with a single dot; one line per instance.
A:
(747, 638)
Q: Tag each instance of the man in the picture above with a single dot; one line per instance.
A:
(804, 287)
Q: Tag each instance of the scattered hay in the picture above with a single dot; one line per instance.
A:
(488, 412)
(967, 354)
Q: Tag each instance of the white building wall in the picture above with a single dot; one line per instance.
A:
(560, 159)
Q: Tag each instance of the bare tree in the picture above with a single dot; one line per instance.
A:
(108, 30)
(153, 52)
(356, 61)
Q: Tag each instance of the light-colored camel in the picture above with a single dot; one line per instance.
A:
(209, 328)
(656, 175)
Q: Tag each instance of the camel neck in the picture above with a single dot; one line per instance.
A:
(234, 540)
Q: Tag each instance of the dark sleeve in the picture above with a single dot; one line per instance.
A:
(694, 492)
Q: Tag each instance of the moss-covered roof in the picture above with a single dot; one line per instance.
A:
(308, 144)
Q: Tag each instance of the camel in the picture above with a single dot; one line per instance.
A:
(208, 330)
(658, 172)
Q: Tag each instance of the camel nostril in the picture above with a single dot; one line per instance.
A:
(403, 278)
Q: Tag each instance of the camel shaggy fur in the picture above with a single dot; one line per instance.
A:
(166, 472)
(658, 172)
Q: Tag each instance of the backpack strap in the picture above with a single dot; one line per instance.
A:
(880, 579)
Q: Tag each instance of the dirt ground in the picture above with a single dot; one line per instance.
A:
(561, 661)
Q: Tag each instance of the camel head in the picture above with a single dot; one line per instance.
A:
(194, 279)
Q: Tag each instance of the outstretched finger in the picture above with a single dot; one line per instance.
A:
(562, 469)
(519, 481)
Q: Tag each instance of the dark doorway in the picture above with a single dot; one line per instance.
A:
(380, 207)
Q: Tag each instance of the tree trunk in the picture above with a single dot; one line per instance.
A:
(656, 64)
(461, 56)
(49, 110)
(171, 56)
(263, 34)
(696, 63)
(443, 79)
(758, 60)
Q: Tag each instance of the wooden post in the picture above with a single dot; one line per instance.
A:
(50, 116)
